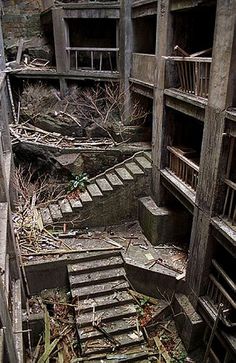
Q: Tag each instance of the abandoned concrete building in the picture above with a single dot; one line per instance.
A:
(118, 189)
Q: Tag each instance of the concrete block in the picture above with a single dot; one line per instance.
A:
(189, 324)
(162, 225)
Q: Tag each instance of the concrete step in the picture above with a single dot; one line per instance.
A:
(106, 315)
(134, 169)
(102, 345)
(75, 204)
(94, 191)
(85, 197)
(97, 265)
(143, 162)
(93, 256)
(123, 174)
(104, 185)
(114, 180)
(92, 278)
(65, 206)
(46, 216)
(55, 212)
(148, 155)
(110, 300)
(113, 327)
(100, 289)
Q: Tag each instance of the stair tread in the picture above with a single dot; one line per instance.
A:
(123, 174)
(55, 211)
(143, 162)
(99, 289)
(91, 256)
(65, 206)
(94, 191)
(108, 314)
(148, 155)
(93, 277)
(46, 216)
(114, 179)
(134, 168)
(104, 185)
(100, 263)
(116, 298)
(75, 203)
(111, 327)
(85, 197)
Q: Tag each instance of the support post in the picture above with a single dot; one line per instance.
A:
(210, 171)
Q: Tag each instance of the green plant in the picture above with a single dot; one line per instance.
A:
(179, 358)
(78, 182)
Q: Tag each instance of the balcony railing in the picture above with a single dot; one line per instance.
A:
(221, 290)
(143, 67)
(93, 59)
(229, 209)
(185, 169)
(194, 74)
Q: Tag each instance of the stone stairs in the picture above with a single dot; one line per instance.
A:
(99, 289)
(120, 185)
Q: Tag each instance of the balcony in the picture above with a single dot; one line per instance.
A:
(183, 162)
(221, 290)
(193, 74)
(102, 60)
(143, 68)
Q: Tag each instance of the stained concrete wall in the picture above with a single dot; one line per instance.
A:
(143, 67)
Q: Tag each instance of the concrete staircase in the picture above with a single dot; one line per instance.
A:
(99, 288)
(110, 198)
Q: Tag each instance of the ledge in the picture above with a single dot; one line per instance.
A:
(53, 74)
(187, 195)
(231, 114)
(228, 234)
(182, 96)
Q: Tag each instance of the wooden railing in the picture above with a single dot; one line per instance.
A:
(183, 168)
(221, 290)
(229, 209)
(194, 74)
(93, 59)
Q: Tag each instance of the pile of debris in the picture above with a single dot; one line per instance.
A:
(91, 112)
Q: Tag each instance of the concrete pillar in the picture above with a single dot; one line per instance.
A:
(210, 166)
(163, 42)
(60, 31)
(126, 48)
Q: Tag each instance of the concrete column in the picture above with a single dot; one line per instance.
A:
(126, 48)
(59, 31)
(163, 42)
(210, 166)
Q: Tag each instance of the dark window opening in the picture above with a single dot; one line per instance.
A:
(145, 34)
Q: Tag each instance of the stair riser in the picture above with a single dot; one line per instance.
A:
(107, 305)
(108, 319)
(97, 268)
(95, 282)
(95, 258)
(127, 329)
(109, 350)
(99, 293)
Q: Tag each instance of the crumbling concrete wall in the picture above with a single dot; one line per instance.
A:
(21, 19)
